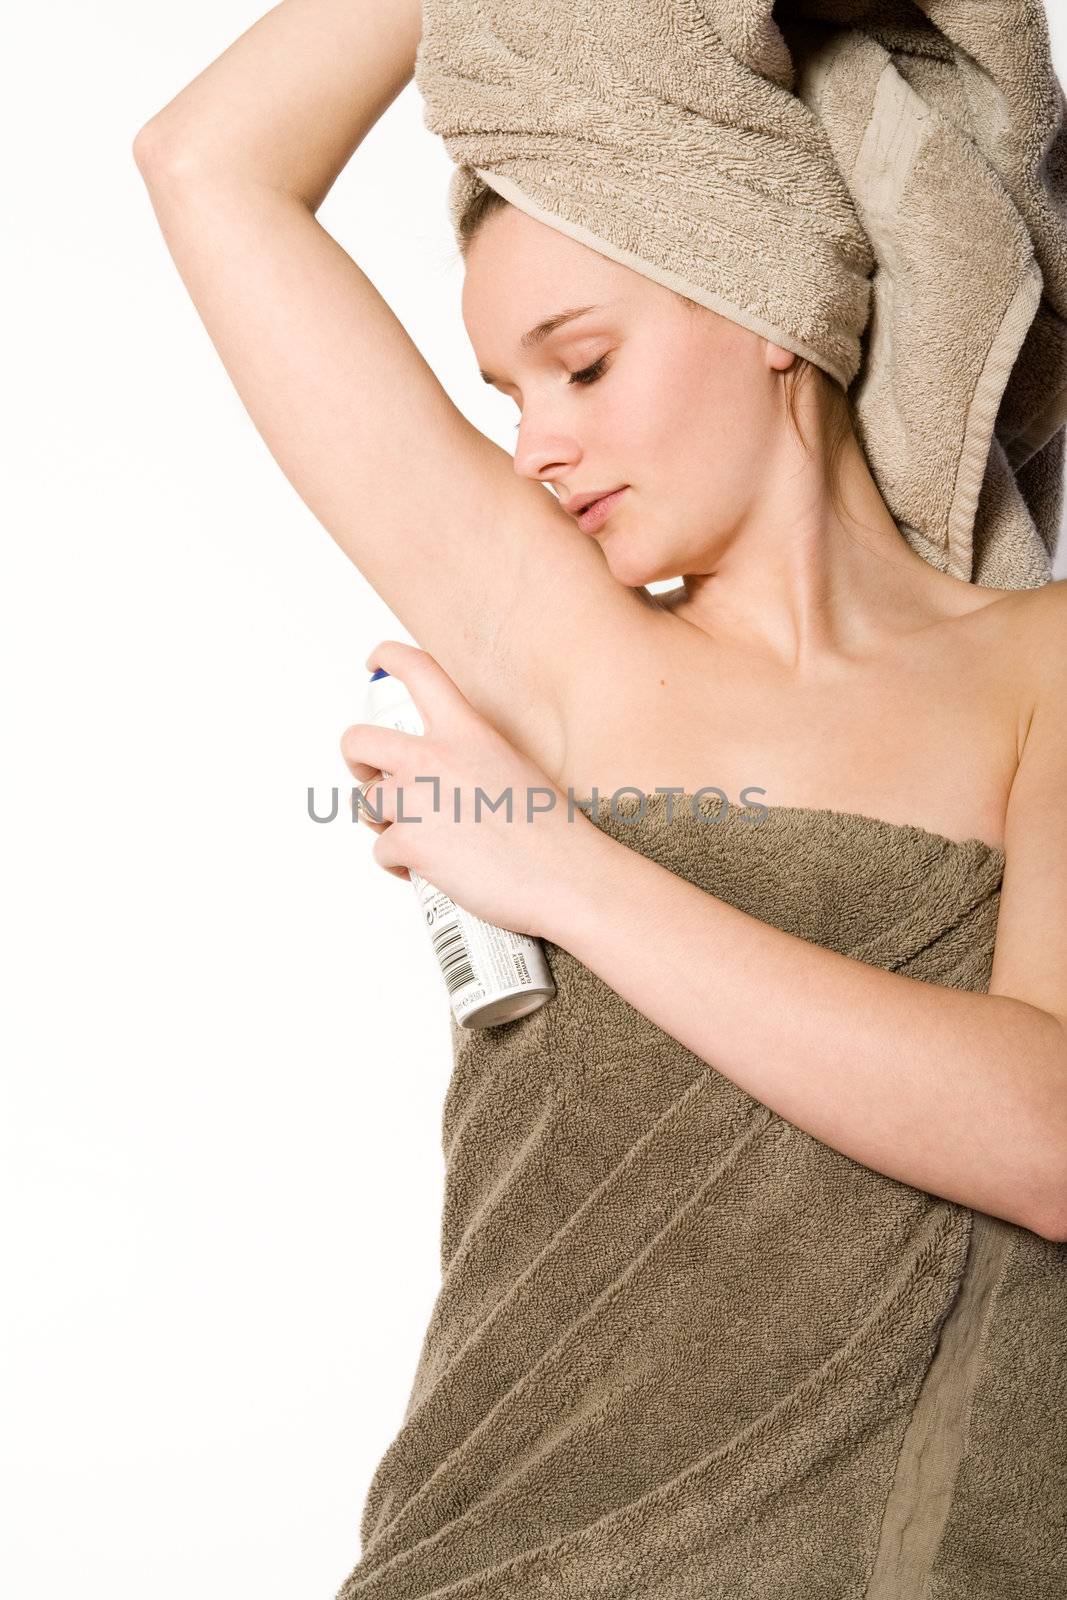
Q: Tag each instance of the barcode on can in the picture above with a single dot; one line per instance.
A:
(453, 955)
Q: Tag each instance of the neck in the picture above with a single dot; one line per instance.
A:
(828, 591)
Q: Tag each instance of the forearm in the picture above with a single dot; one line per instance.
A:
(291, 99)
(960, 1094)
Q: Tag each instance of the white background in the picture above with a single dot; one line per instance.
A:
(220, 1162)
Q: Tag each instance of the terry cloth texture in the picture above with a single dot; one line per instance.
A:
(878, 185)
(682, 1350)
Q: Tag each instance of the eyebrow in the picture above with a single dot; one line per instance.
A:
(538, 334)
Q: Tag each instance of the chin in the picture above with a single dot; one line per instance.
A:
(631, 570)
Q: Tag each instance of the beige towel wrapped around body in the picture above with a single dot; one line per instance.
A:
(879, 185)
(682, 1350)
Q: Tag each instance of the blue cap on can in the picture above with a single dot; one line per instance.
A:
(380, 672)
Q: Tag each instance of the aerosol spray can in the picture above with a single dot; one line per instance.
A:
(493, 975)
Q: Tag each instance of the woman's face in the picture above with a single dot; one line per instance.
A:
(682, 406)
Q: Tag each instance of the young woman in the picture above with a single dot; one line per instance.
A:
(874, 705)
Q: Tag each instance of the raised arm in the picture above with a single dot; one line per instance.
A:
(289, 102)
(482, 566)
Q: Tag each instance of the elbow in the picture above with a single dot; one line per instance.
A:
(1053, 1113)
(145, 148)
(1052, 1221)
(1056, 1234)
(158, 151)
(1054, 1227)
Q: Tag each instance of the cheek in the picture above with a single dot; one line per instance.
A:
(721, 422)
(643, 424)
(686, 425)
(683, 396)
(691, 428)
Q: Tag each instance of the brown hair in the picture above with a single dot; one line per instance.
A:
(832, 402)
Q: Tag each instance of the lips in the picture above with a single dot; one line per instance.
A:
(596, 514)
(577, 503)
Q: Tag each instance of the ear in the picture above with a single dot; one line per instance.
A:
(779, 359)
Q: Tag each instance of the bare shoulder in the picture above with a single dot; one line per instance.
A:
(1023, 622)
(1046, 616)
(1046, 600)
(1030, 646)
(1050, 599)
(1034, 623)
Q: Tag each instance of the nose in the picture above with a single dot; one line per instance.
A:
(546, 457)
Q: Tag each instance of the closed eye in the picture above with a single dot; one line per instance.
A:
(587, 375)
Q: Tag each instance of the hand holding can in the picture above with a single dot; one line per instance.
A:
(493, 975)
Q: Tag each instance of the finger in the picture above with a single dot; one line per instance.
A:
(435, 694)
(374, 801)
(362, 771)
(385, 854)
(373, 749)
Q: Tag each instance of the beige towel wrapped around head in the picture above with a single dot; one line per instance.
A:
(877, 185)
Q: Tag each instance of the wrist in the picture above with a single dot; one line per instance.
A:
(577, 895)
